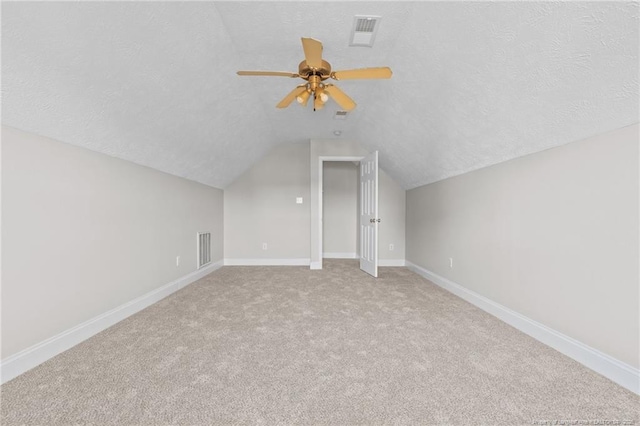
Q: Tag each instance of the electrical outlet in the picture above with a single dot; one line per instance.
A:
(451, 263)
(298, 200)
(177, 260)
(264, 246)
(390, 247)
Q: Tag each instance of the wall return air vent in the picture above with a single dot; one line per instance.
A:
(204, 249)
(364, 30)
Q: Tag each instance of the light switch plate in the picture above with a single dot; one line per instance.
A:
(298, 200)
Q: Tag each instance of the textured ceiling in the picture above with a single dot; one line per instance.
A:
(474, 84)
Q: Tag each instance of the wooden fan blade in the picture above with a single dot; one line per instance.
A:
(312, 52)
(340, 97)
(291, 96)
(362, 73)
(269, 73)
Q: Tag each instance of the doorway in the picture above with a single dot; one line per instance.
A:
(340, 227)
(368, 210)
(367, 207)
(317, 206)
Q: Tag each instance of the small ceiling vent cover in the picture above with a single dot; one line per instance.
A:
(364, 30)
(341, 115)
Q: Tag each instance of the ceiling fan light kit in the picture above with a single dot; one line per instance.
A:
(315, 71)
(303, 97)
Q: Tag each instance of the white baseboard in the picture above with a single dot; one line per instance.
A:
(338, 255)
(316, 265)
(267, 262)
(615, 370)
(35, 355)
(391, 262)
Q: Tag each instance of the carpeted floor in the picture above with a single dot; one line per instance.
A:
(286, 345)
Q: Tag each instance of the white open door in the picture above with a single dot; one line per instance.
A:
(369, 214)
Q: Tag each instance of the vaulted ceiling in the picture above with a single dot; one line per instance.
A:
(474, 83)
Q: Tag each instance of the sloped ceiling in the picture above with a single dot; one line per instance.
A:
(474, 84)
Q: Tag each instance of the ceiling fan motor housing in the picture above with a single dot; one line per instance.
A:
(305, 71)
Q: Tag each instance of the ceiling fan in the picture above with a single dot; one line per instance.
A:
(315, 71)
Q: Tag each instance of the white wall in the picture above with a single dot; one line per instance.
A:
(260, 207)
(340, 208)
(83, 233)
(552, 236)
(391, 209)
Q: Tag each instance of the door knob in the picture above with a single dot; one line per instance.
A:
(378, 220)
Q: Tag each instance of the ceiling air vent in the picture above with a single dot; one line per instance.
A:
(364, 30)
(340, 115)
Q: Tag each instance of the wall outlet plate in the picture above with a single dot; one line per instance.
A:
(298, 200)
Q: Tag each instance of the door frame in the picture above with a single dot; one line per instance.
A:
(322, 159)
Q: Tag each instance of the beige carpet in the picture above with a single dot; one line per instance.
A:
(286, 345)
